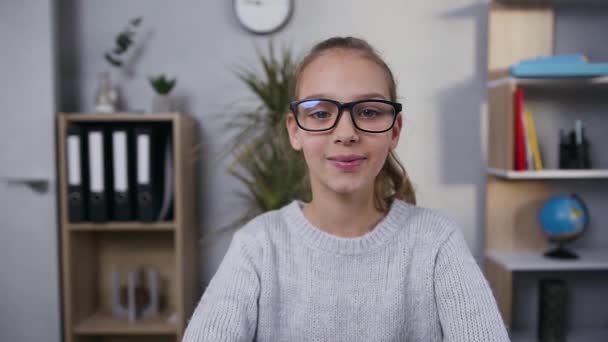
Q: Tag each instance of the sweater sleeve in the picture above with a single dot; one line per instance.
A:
(467, 309)
(228, 309)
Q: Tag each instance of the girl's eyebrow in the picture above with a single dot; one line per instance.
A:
(358, 97)
(316, 96)
(370, 96)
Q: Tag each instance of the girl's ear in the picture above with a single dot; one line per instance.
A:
(293, 131)
(396, 131)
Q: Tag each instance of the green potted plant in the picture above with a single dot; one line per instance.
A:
(264, 162)
(162, 86)
(106, 98)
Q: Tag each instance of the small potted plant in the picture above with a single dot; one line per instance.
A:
(162, 86)
(106, 98)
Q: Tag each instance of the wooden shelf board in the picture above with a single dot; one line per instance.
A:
(591, 259)
(122, 117)
(578, 335)
(555, 81)
(104, 324)
(527, 3)
(549, 174)
(122, 226)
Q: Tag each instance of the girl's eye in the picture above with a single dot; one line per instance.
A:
(369, 113)
(319, 115)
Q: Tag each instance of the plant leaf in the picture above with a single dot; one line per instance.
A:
(113, 61)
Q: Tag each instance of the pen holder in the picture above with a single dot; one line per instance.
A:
(573, 155)
(582, 160)
(565, 155)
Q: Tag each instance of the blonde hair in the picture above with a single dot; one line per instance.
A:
(392, 181)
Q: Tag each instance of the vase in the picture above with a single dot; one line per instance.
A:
(161, 103)
(106, 97)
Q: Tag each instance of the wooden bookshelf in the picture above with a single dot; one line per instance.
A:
(518, 30)
(514, 242)
(91, 251)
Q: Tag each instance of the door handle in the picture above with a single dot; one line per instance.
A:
(37, 184)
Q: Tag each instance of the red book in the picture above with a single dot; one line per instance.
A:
(520, 145)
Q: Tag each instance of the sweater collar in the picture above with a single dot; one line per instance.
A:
(316, 237)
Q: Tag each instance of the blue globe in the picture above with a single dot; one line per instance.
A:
(563, 218)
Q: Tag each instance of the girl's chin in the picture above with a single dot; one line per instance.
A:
(346, 189)
(345, 183)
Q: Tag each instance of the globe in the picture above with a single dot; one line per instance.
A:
(563, 218)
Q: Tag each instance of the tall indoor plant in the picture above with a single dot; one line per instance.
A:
(272, 172)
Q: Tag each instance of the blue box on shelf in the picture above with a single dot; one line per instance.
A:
(567, 65)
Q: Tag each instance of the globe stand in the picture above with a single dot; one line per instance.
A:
(560, 252)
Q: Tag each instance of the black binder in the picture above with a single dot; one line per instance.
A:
(149, 182)
(99, 159)
(77, 180)
(122, 173)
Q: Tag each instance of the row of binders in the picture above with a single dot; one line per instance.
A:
(527, 154)
(119, 172)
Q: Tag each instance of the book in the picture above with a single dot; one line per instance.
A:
(533, 138)
(527, 147)
(519, 141)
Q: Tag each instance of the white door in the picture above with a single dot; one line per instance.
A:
(29, 262)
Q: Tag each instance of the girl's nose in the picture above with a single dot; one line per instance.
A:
(345, 131)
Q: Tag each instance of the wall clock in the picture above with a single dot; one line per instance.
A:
(263, 16)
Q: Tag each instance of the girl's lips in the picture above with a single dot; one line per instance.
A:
(346, 157)
(347, 163)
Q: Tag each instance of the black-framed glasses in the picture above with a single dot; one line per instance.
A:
(373, 116)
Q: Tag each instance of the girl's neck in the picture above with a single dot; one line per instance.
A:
(344, 216)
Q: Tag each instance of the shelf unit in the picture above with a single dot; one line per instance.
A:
(99, 324)
(91, 251)
(529, 261)
(517, 30)
(123, 226)
(549, 174)
(550, 82)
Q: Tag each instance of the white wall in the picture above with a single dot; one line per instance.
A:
(436, 50)
(29, 262)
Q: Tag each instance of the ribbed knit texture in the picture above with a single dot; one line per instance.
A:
(412, 278)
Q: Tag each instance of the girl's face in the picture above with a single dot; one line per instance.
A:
(343, 160)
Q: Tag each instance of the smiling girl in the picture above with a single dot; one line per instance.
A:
(360, 262)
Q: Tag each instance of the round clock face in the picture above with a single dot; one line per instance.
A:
(263, 16)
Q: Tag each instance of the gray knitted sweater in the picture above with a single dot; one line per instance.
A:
(412, 278)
